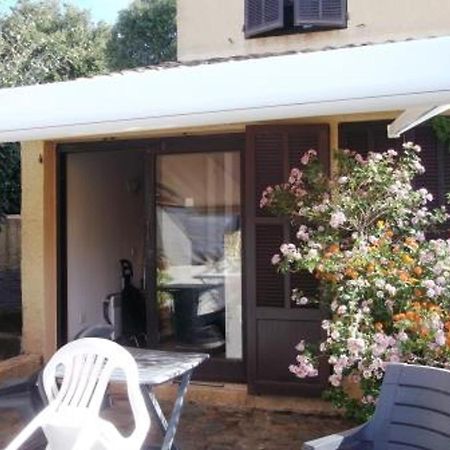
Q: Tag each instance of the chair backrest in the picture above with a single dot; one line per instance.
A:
(413, 410)
(78, 374)
(104, 331)
(75, 380)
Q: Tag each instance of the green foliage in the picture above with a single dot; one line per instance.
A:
(43, 41)
(385, 285)
(441, 126)
(10, 178)
(144, 34)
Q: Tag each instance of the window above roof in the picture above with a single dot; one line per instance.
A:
(274, 17)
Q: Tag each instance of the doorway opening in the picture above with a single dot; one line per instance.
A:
(164, 218)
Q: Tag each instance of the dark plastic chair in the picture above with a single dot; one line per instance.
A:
(26, 395)
(413, 412)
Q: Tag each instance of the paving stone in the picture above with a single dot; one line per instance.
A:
(204, 427)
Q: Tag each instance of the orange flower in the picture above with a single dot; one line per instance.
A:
(410, 315)
(351, 273)
(333, 248)
(379, 326)
(330, 277)
(424, 332)
(399, 317)
(403, 276)
(370, 268)
(411, 242)
(418, 271)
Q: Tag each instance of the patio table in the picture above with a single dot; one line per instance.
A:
(157, 367)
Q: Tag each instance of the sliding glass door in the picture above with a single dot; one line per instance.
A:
(198, 252)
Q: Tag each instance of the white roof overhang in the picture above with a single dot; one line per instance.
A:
(385, 77)
(413, 117)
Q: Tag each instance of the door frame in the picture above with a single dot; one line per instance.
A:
(215, 369)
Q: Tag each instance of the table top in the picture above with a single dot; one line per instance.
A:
(158, 367)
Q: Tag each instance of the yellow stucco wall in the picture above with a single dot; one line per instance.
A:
(214, 28)
(33, 293)
(38, 292)
(38, 260)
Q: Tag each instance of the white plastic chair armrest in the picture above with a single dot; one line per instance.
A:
(140, 412)
(345, 440)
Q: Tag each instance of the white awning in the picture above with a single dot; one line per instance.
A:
(372, 78)
(413, 117)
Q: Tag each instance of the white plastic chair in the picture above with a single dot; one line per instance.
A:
(75, 382)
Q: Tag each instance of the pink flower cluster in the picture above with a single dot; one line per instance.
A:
(295, 187)
(304, 367)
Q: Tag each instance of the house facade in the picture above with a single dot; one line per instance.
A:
(164, 168)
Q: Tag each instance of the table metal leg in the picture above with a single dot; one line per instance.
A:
(168, 428)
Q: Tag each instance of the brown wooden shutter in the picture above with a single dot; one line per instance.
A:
(372, 136)
(274, 323)
(365, 137)
(432, 179)
(269, 166)
(270, 285)
(321, 13)
(262, 16)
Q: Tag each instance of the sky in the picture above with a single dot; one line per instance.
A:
(105, 10)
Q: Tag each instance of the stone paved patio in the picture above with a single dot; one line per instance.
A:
(222, 428)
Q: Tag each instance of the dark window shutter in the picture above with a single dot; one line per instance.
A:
(445, 152)
(432, 179)
(262, 16)
(304, 281)
(276, 149)
(269, 163)
(270, 285)
(364, 137)
(372, 136)
(306, 138)
(321, 13)
(274, 323)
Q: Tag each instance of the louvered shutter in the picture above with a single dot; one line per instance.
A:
(277, 150)
(269, 167)
(365, 137)
(372, 136)
(262, 16)
(436, 179)
(270, 285)
(432, 179)
(275, 324)
(321, 13)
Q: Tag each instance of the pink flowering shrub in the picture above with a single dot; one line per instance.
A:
(362, 233)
